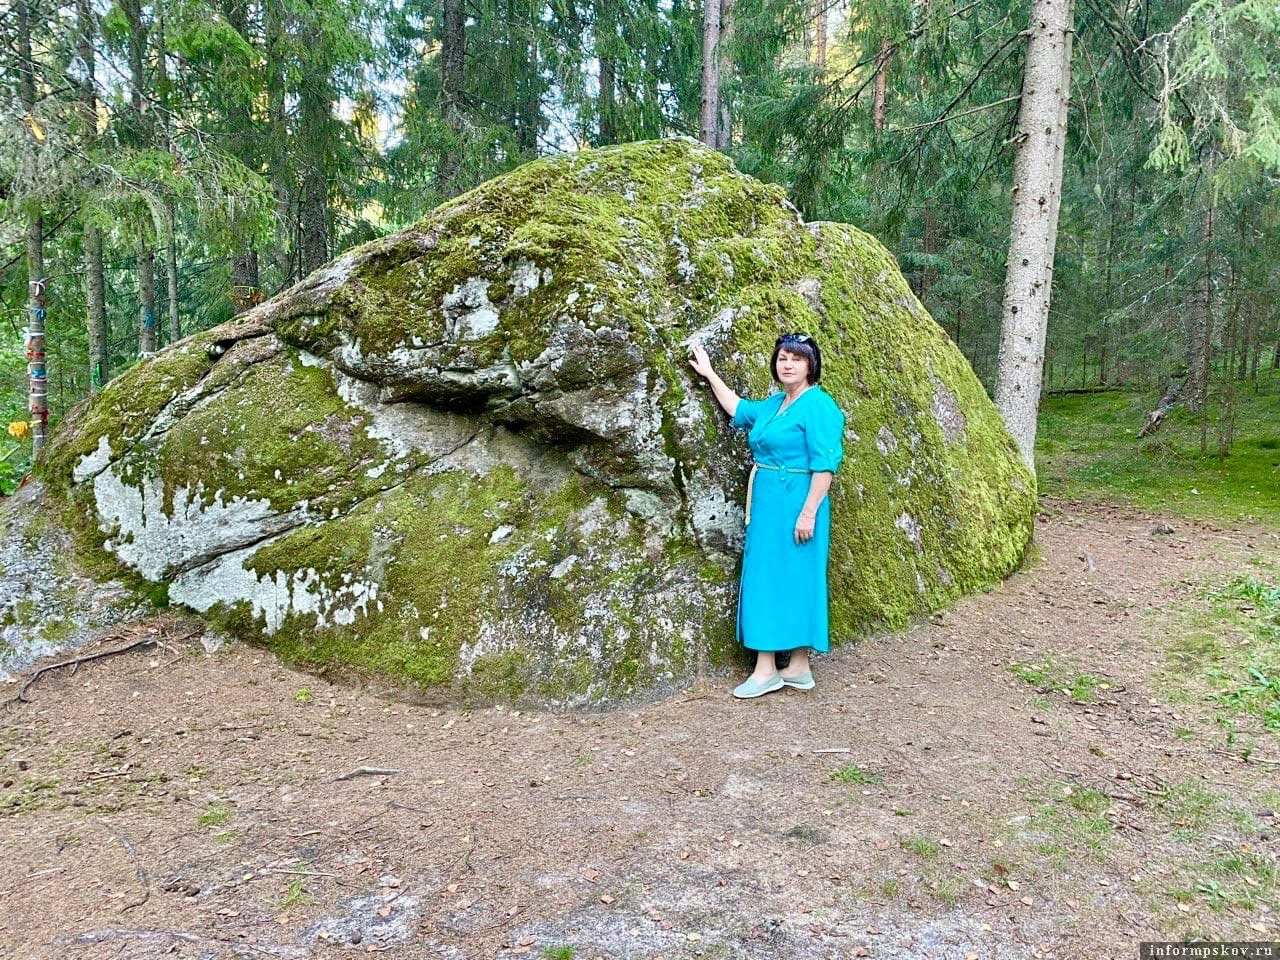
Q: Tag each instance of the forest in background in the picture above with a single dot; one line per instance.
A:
(166, 165)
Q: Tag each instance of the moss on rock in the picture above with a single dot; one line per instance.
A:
(471, 457)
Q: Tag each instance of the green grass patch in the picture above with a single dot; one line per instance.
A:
(1226, 654)
(852, 773)
(215, 815)
(921, 846)
(1240, 879)
(1189, 807)
(1087, 448)
(1064, 676)
(295, 895)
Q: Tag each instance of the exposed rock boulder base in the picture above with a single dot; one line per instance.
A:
(471, 456)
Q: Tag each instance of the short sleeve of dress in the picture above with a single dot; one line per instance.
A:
(744, 416)
(824, 436)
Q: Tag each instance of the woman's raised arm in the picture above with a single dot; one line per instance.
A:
(701, 364)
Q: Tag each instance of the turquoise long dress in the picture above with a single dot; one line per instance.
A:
(782, 598)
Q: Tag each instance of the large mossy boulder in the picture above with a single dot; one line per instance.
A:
(471, 456)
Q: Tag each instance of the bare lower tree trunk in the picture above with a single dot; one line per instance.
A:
(710, 122)
(95, 308)
(1249, 344)
(1226, 419)
(878, 102)
(453, 52)
(37, 372)
(146, 298)
(171, 270)
(1200, 340)
(1033, 230)
(245, 281)
(139, 52)
(94, 281)
(724, 131)
(315, 118)
(1204, 349)
(820, 35)
(606, 103)
(284, 249)
(168, 228)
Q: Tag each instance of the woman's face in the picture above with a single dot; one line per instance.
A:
(792, 368)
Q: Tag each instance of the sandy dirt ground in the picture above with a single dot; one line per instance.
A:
(1033, 773)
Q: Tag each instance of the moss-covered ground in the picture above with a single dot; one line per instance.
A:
(1087, 448)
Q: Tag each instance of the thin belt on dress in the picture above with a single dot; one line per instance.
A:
(751, 479)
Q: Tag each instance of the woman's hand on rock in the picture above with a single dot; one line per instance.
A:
(699, 360)
(804, 528)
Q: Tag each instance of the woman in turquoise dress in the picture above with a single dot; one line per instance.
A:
(796, 442)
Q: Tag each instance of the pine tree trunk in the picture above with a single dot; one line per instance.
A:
(878, 103)
(724, 129)
(820, 35)
(1200, 340)
(284, 249)
(453, 52)
(606, 103)
(1037, 194)
(146, 298)
(139, 44)
(95, 308)
(710, 122)
(94, 280)
(245, 281)
(37, 371)
(315, 118)
(1255, 340)
(171, 270)
(1226, 411)
(169, 227)
(1248, 344)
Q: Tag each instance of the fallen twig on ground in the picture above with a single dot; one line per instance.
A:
(152, 640)
(98, 936)
(75, 662)
(1249, 758)
(366, 772)
(405, 806)
(298, 873)
(140, 872)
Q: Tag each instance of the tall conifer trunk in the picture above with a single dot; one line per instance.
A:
(453, 52)
(138, 46)
(1199, 331)
(146, 295)
(315, 120)
(94, 279)
(724, 130)
(820, 35)
(1033, 228)
(283, 251)
(709, 128)
(606, 103)
(879, 102)
(169, 226)
(37, 372)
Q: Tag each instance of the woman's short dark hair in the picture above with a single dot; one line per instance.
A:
(802, 345)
